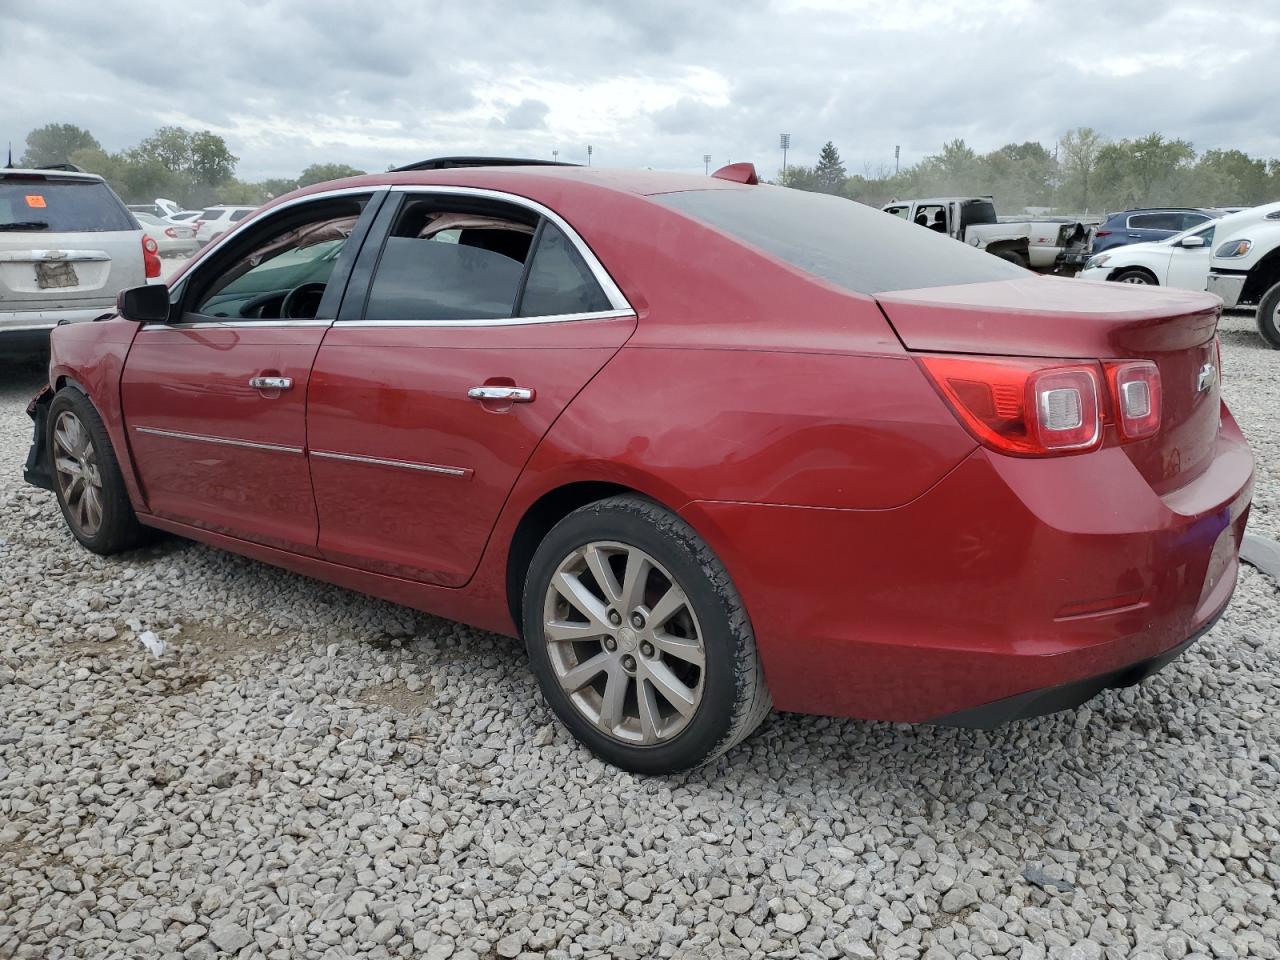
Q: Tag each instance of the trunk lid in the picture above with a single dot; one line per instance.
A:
(1075, 319)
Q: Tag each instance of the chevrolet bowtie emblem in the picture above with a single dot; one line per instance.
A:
(1205, 380)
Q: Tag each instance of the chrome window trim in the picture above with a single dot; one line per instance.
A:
(288, 204)
(226, 441)
(460, 472)
(495, 322)
(611, 290)
(230, 324)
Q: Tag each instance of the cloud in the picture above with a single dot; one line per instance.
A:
(525, 115)
(292, 82)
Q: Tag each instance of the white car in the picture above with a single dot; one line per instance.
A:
(215, 221)
(1180, 261)
(172, 239)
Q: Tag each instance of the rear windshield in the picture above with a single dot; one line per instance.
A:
(62, 206)
(844, 242)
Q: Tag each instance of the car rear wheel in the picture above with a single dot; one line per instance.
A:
(1135, 276)
(1269, 317)
(87, 481)
(639, 640)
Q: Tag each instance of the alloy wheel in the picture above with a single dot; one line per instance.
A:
(624, 642)
(79, 479)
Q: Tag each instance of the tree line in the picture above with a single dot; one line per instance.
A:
(1084, 173)
(192, 168)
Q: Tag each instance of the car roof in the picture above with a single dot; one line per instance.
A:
(1205, 210)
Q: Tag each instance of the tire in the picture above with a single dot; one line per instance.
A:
(99, 514)
(1134, 276)
(724, 699)
(1012, 256)
(1269, 317)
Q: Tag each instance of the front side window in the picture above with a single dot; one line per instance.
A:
(1156, 221)
(281, 270)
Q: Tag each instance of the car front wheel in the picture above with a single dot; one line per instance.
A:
(1269, 317)
(87, 481)
(639, 640)
(1135, 276)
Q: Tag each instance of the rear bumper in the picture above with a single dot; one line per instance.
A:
(1066, 696)
(26, 321)
(1007, 578)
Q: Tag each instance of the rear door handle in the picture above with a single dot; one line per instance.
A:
(510, 394)
(271, 383)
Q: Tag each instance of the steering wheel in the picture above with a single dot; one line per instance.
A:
(302, 302)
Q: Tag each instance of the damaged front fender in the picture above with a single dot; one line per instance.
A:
(38, 470)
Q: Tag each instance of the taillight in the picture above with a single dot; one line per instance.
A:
(1102, 233)
(150, 257)
(1217, 351)
(171, 233)
(1135, 395)
(1023, 407)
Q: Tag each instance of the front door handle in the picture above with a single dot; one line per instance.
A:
(271, 383)
(509, 394)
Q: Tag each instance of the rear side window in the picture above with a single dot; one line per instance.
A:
(559, 280)
(212, 214)
(62, 206)
(1190, 220)
(448, 264)
(841, 241)
(239, 214)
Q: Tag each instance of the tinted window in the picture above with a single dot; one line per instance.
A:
(62, 206)
(239, 214)
(559, 279)
(425, 279)
(1190, 220)
(846, 243)
(1156, 221)
(212, 214)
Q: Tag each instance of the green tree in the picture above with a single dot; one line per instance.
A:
(55, 143)
(829, 173)
(799, 177)
(211, 163)
(1079, 158)
(320, 172)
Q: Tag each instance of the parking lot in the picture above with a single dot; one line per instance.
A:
(306, 772)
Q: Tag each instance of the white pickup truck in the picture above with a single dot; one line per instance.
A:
(1038, 244)
(1245, 266)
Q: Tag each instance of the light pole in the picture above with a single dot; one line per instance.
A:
(784, 141)
(588, 154)
(706, 163)
(896, 151)
(555, 155)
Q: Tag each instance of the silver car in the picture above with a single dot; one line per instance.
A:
(67, 247)
(173, 239)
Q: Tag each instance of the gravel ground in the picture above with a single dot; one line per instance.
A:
(309, 773)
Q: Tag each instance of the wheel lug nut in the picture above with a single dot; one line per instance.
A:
(637, 620)
(646, 649)
(615, 617)
(629, 662)
(610, 644)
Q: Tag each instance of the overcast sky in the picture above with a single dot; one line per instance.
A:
(647, 83)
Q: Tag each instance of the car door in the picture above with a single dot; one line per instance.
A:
(1189, 266)
(482, 319)
(215, 403)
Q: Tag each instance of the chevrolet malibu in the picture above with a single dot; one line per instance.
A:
(710, 447)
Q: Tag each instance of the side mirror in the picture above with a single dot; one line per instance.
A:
(1190, 242)
(145, 304)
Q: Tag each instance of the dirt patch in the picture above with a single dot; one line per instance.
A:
(398, 696)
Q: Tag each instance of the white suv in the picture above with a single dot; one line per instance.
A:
(215, 221)
(67, 247)
(1245, 269)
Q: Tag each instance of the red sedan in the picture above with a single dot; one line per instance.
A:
(708, 446)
